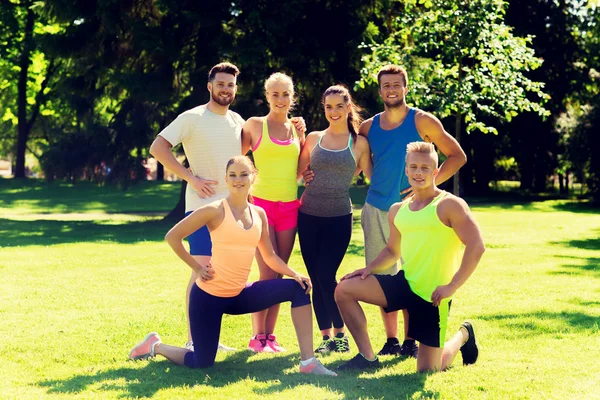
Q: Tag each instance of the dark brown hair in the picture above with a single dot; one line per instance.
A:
(224, 67)
(392, 69)
(354, 119)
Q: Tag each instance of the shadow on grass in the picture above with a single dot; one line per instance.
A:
(534, 204)
(584, 303)
(83, 196)
(543, 323)
(580, 265)
(147, 381)
(49, 232)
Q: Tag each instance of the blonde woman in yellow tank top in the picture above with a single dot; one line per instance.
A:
(237, 229)
(276, 146)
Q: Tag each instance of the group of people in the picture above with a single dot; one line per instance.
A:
(245, 216)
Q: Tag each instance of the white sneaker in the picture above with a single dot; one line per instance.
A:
(222, 347)
(316, 368)
(190, 346)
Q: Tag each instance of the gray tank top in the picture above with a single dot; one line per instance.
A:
(328, 194)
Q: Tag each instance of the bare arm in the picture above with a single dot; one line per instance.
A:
(246, 140)
(390, 253)
(250, 135)
(196, 220)
(365, 126)
(161, 150)
(364, 162)
(304, 159)
(272, 260)
(456, 214)
(431, 130)
(299, 124)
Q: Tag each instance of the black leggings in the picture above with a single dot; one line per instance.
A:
(323, 242)
(206, 312)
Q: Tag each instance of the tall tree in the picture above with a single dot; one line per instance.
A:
(554, 26)
(23, 62)
(464, 62)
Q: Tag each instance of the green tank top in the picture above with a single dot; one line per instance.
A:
(277, 164)
(430, 249)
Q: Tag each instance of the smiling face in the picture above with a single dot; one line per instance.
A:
(392, 90)
(223, 88)
(280, 96)
(421, 169)
(336, 109)
(239, 177)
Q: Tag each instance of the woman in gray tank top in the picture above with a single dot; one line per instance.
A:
(325, 215)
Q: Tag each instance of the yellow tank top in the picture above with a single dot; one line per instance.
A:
(277, 164)
(233, 249)
(429, 248)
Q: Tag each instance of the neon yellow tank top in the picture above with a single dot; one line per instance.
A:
(277, 164)
(430, 249)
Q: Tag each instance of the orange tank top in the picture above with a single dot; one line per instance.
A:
(233, 249)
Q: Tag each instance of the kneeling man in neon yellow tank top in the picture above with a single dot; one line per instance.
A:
(427, 232)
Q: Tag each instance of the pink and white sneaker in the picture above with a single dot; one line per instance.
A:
(145, 349)
(315, 367)
(272, 343)
(258, 344)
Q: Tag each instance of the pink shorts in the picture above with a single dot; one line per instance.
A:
(282, 215)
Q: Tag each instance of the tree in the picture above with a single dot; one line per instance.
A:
(23, 62)
(556, 30)
(463, 62)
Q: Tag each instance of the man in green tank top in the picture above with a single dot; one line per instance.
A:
(427, 231)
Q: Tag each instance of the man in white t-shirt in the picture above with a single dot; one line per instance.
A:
(211, 134)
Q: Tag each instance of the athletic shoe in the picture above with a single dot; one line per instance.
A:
(190, 346)
(272, 343)
(409, 349)
(326, 346)
(342, 345)
(469, 350)
(258, 344)
(360, 362)
(222, 347)
(316, 368)
(391, 347)
(145, 349)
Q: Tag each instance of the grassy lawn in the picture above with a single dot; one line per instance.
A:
(86, 275)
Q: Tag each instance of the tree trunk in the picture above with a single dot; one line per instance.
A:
(23, 126)
(178, 212)
(160, 171)
(561, 183)
(457, 128)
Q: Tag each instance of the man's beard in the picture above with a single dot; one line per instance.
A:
(394, 104)
(221, 102)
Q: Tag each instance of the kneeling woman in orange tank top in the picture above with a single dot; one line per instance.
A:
(237, 228)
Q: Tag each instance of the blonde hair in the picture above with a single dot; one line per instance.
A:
(422, 147)
(280, 77)
(249, 164)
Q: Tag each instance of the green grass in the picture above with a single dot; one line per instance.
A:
(86, 275)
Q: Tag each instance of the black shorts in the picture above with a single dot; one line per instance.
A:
(427, 323)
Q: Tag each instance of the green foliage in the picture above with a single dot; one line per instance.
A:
(462, 59)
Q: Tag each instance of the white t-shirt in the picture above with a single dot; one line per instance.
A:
(209, 141)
